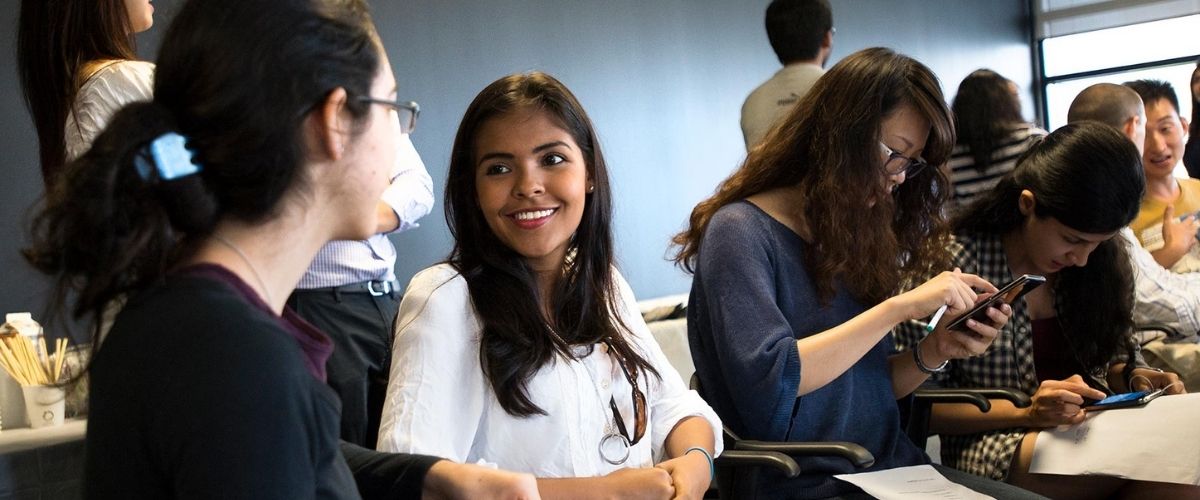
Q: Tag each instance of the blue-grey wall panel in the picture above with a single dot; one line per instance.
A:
(663, 80)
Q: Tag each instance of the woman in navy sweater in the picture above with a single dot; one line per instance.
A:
(796, 260)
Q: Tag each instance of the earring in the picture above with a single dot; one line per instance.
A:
(591, 187)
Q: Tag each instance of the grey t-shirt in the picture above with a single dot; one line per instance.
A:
(771, 100)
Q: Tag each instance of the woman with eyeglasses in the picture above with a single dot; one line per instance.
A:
(525, 348)
(1069, 341)
(204, 206)
(797, 260)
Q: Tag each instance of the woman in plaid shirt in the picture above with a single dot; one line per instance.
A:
(1068, 342)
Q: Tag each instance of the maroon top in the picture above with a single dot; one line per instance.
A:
(1053, 357)
(315, 345)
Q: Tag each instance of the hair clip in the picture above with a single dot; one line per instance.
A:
(172, 159)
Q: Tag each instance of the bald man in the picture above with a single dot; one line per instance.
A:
(1115, 105)
(1162, 297)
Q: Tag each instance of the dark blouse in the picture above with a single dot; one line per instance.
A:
(1191, 156)
(1053, 357)
(199, 391)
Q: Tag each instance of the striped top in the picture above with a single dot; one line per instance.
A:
(410, 196)
(969, 182)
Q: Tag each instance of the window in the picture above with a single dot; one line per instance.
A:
(1060, 93)
(1083, 42)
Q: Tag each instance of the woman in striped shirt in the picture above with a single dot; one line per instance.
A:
(991, 134)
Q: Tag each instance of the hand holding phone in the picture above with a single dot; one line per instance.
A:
(1126, 400)
(1008, 294)
(1060, 402)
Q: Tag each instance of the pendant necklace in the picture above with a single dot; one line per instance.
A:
(614, 446)
(253, 270)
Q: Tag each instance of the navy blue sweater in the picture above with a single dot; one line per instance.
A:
(752, 298)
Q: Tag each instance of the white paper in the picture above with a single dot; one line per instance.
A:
(908, 483)
(1156, 442)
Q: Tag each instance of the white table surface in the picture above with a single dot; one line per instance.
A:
(25, 438)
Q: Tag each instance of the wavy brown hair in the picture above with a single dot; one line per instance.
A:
(828, 147)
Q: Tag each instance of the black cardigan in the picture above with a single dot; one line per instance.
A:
(199, 392)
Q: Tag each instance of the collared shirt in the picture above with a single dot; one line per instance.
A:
(344, 262)
(1163, 297)
(440, 403)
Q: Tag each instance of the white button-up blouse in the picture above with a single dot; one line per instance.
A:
(439, 402)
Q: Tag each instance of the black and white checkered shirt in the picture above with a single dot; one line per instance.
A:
(1007, 363)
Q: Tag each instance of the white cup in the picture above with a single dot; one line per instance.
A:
(45, 405)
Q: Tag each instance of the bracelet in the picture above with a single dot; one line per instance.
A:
(916, 350)
(712, 471)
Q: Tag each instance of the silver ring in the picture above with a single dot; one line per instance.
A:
(621, 441)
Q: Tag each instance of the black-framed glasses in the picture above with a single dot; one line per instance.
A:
(406, 111)
(909, 167)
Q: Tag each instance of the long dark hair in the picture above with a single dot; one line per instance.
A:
(828, 145)
(985, 111)
(517, 339)
(55, 39)
(1089, 177)
(1194, 126)
(237, 79)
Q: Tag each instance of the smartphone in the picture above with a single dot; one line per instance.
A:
(1006, 295)
(1126, 400)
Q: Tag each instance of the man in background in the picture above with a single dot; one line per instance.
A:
(350, 293)
(801, 33)
(1162, 298)
(1167, 223)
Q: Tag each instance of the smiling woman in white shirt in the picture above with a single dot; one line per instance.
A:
(525, 349)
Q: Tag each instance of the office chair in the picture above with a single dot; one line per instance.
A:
(744, 459)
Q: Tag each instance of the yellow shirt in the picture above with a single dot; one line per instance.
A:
(1148, 224)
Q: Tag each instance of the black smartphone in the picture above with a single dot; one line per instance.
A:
(1007, 294)
(1125, 400)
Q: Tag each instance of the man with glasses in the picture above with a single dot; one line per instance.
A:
(801, 33)
(350, 290)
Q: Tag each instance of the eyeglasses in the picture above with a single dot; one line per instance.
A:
(909, 168)
(406, 111)
(639, 401)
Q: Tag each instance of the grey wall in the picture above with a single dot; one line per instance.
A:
(663, 80)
